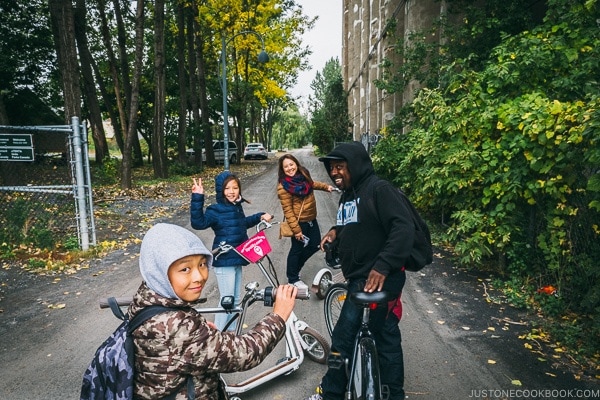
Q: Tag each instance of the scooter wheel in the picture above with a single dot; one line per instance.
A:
(317, 347)
(322, 283)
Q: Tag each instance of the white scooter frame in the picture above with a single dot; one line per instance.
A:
(300, 338)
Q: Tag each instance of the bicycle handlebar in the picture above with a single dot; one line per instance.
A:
(125, 301)
(268, 295)
(224, 247)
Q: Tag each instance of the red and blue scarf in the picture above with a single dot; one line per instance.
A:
(297, 185)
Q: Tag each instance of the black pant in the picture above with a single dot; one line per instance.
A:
(384, 326)
(299, 254)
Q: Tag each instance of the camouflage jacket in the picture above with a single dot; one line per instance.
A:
(174, 345)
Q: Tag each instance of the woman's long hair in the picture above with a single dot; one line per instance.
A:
(281, 173)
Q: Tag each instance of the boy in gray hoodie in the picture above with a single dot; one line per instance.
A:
(174, 345)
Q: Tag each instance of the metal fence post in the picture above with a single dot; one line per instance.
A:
(88, 180)
(79, 186)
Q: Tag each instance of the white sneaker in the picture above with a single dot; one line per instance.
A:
(314, 397)
(301, 285)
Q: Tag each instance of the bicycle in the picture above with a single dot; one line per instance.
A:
(300, 338)
(364, 377)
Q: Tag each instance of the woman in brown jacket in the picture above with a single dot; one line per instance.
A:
(296, 194)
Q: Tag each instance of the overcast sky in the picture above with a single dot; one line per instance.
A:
(325, 40)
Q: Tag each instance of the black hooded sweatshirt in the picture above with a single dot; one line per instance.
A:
(374, 225)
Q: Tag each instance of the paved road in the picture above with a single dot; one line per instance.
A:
(451, 335)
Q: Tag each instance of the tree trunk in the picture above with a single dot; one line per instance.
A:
(159, 155)
(109, 106)
(183, 97)
(119, 125)
(125, 78)
(100, 144)
(204, 108)
(193, 31)
(61, 14)
(126, 180)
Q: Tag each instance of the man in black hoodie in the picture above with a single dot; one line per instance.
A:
(374, 234)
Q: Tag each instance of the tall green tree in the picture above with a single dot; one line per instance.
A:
(246, 25)
(28, 54)
(132, 132)
(329, 108)
(27, 62)
(290, 128)
(89, 84)
(63, 28)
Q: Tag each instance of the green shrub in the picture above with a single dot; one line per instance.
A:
(108, 172)
(506, 158)
(71, 243)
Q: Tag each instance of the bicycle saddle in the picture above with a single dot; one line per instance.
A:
(366, 298)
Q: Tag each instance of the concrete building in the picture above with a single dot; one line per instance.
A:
(365, 44)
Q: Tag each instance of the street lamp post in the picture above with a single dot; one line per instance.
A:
(263, 57)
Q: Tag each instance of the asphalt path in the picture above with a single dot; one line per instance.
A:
(456, 345)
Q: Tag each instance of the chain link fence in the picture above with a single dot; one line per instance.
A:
(46, 203)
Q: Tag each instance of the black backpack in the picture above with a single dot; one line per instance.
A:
(110, 375)
(422, 251)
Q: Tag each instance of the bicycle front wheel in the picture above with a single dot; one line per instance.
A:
(366, 376)
(318, 347)
(334, 300)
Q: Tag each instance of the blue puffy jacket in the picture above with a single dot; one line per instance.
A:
(226, 219)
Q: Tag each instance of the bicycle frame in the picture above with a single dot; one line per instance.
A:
(364, 377)
(365, 385)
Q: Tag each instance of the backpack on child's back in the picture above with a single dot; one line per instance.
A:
(110, 375)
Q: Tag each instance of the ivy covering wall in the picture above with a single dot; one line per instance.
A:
(505, 159)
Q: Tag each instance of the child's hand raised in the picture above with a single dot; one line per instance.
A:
(197, 186)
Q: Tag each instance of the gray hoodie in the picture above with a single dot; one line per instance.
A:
(162, 245)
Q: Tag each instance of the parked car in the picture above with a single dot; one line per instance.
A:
(219, 150)
(255, 150)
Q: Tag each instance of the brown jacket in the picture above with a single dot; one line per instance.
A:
(173, 345)
(292, 204)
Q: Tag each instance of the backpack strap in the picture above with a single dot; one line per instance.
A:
(114, 306)
(145, 314)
